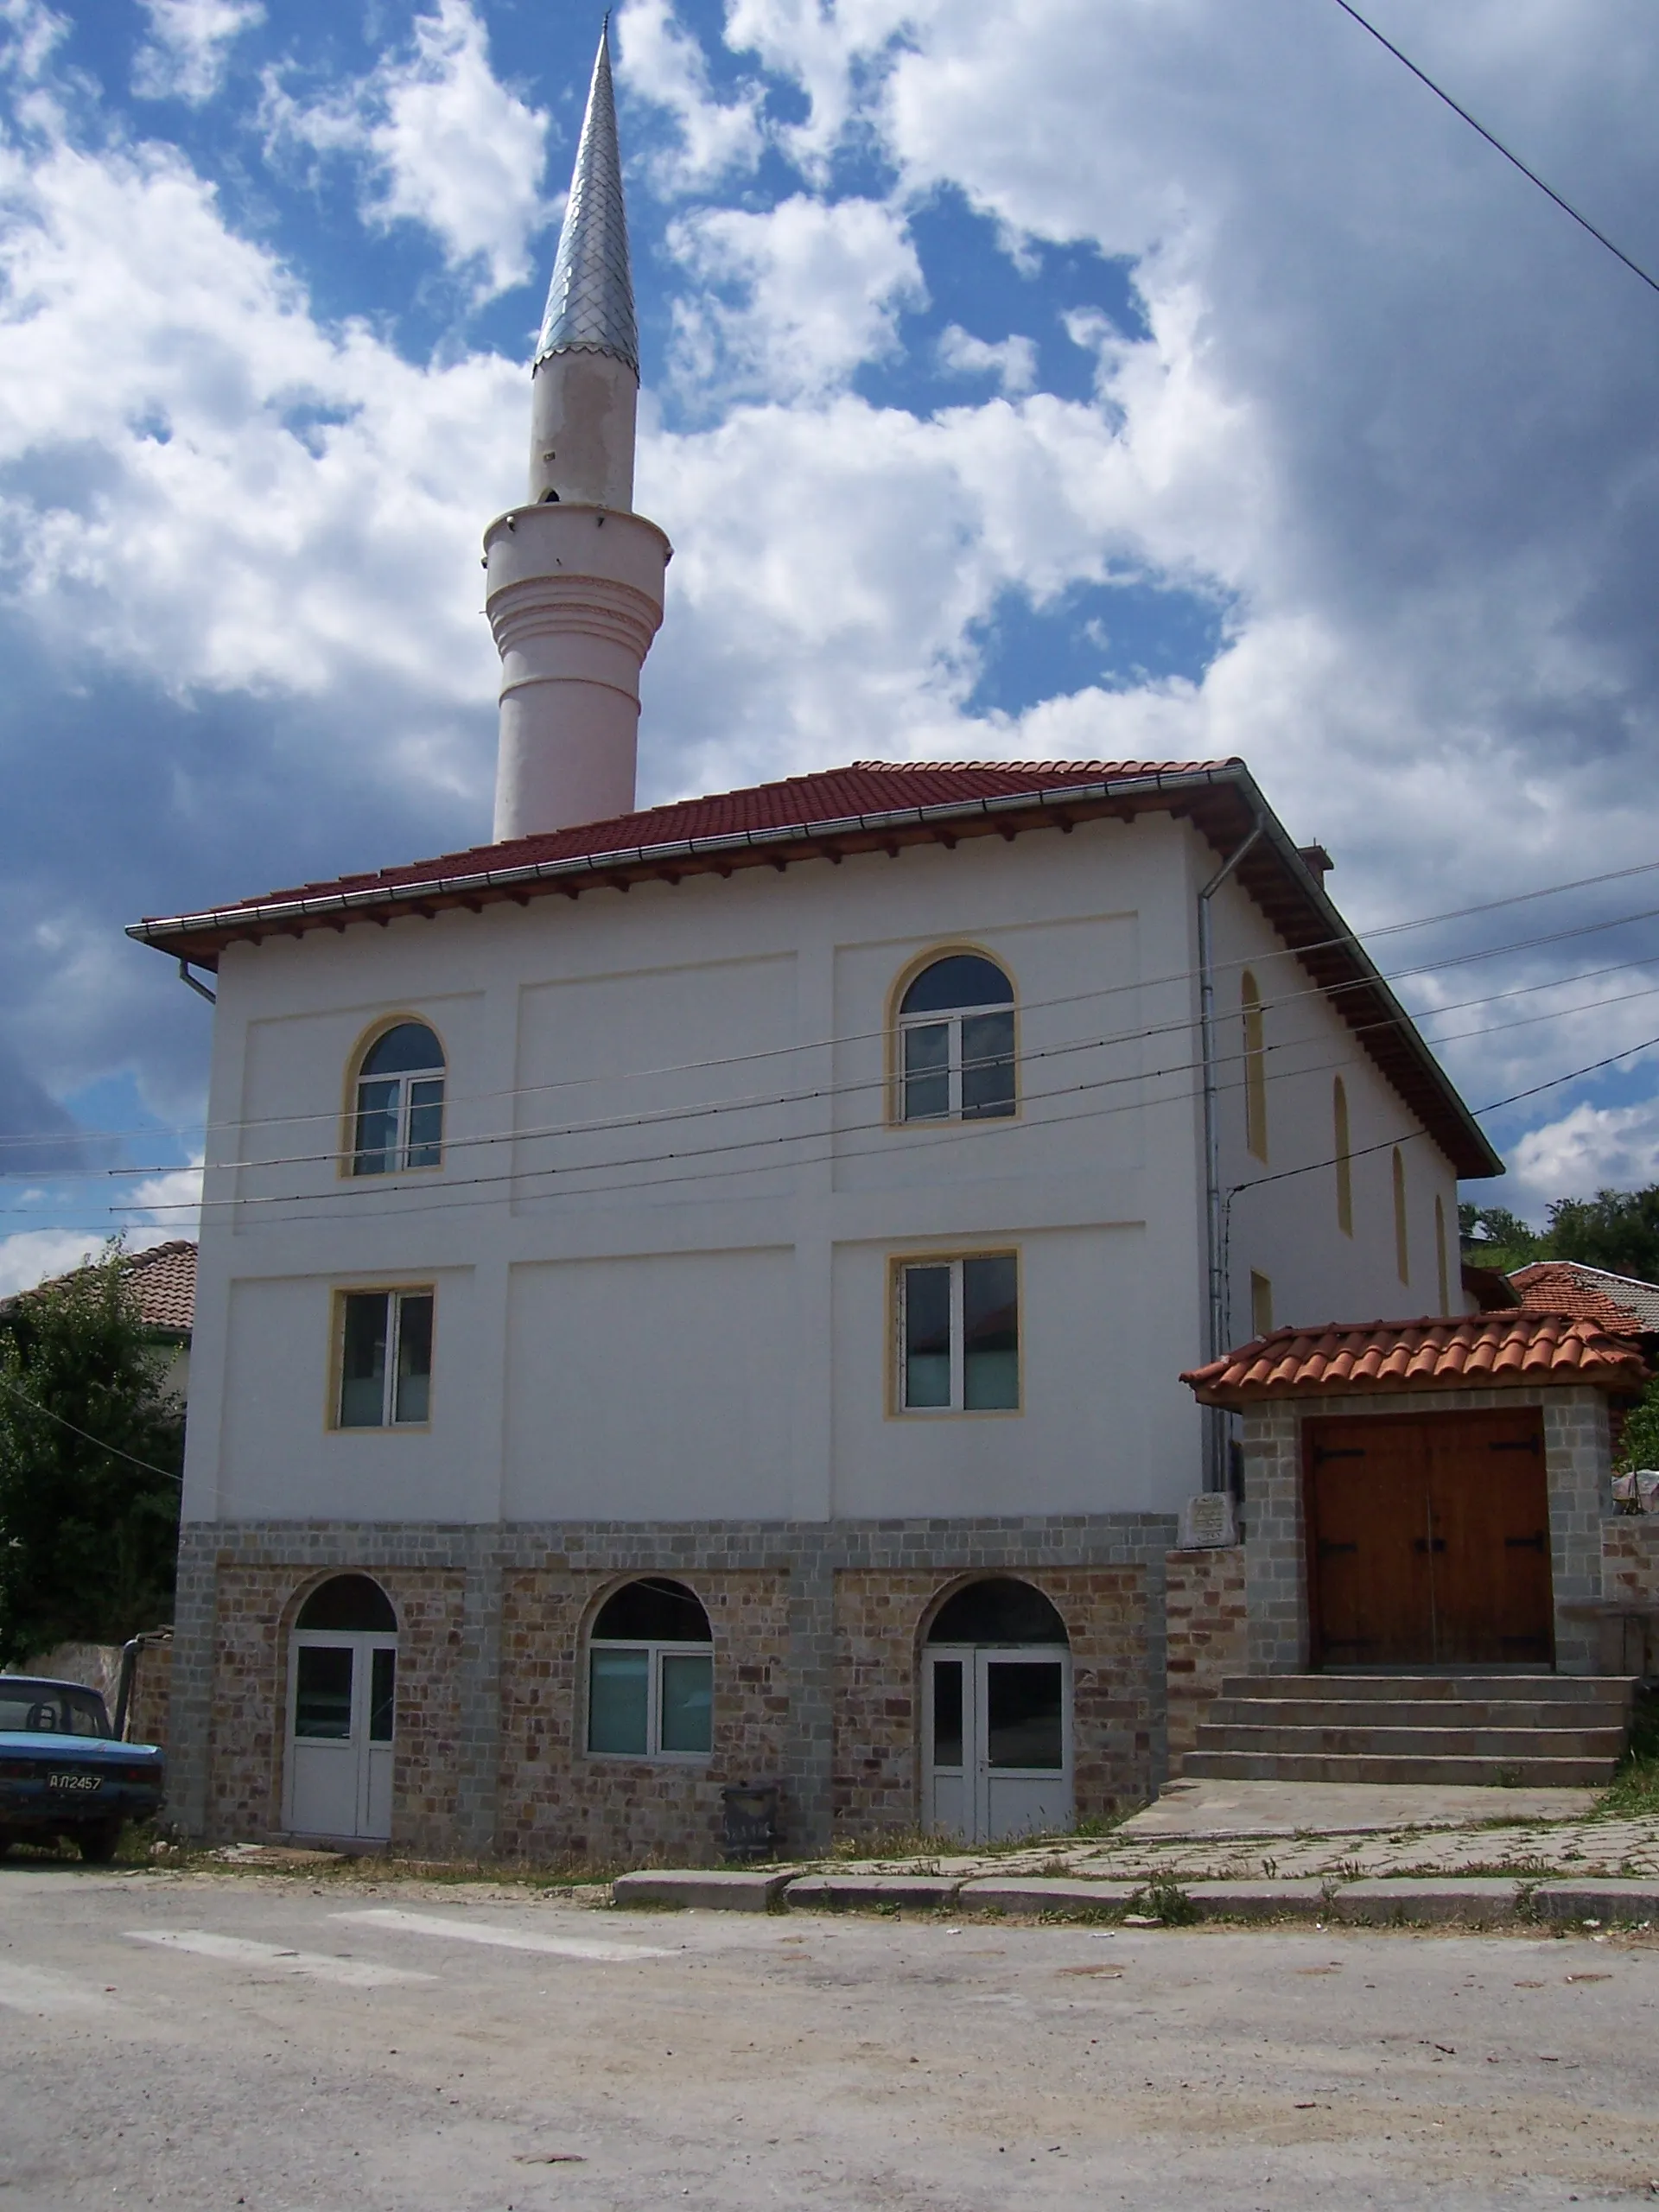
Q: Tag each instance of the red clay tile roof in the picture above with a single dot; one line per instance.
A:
(165, 1279)
(881, 806)
(1482, 1351)
(1618, 1303)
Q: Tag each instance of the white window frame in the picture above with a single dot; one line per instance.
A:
(655, 1654)
(955, 1262)
(402, 1108)
(396, 1298)
(951, 1022)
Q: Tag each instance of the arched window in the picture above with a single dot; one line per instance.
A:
(1255, 1067)
(1440, 1253)
(999, 1610)
(1401, 1241)
(651, 1674)
(353, 1603)
(1344, 1152)
(397, 1119)
(955, 1042)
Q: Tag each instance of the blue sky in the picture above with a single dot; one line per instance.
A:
(1079, 379)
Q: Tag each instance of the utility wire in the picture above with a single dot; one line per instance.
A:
(1149, 983)
(115, 1451)
(1531, 176)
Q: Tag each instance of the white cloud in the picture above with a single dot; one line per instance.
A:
(658, 61)
(33, 1255)
(1011, 361)
(818, 289)
(443, 143)
(1589, 1149)
(185, 55)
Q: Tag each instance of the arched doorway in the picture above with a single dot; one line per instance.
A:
(342, 1693)
(997, 1715)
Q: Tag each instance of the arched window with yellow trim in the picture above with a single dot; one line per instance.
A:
(1440, 1261)
(398, 1110)
(1402, 1240)
(1343, 1151)
(956, 1059)
(1255, 1067)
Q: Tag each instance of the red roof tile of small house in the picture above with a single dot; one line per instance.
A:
(165, 1279)
(1620, 1304)
(882, 806)
(1480, 1351)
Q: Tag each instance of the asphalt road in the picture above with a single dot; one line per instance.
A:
(220, 2041)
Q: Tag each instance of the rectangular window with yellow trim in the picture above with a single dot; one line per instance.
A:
(957, 1332)
(385, 1353)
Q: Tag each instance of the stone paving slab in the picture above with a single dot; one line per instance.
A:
(697, 1887)
(1597, 1900)
(1016, 1893)
(1428, 1903)
(1223, 1810)
(820, 1891)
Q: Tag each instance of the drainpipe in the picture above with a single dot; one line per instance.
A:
(1215, 1429)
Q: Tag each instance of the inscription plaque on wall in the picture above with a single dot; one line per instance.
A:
(1208, 1522)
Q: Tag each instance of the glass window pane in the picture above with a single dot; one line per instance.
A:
(990, 1334)
(363, 1361)
(927, 1076)
(375, 1137)
(960, 979)
(414, 1358)
(322, 1693)
(425, 1122)
(688, 1702)
(617, 1687)
(1024, 1707)
(383, 1687)
(986, 1066)
(409, 1045)
(926, 1294)
(947, 1713)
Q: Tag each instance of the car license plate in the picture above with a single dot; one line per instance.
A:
(80, 1785)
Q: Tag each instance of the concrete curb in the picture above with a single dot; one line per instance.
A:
(1609, 1900)
(819, 1891)
(711, 1890)
(1039, 1893)
(1447, 1901)
(1302, 1899)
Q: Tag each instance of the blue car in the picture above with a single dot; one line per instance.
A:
(62, 1773)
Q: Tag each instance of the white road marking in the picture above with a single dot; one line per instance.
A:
(242, 1951)
(31, 1989)
(505, 1938)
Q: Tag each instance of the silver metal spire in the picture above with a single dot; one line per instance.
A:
(590, 301)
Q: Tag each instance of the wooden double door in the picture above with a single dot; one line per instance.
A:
(1428, 1540)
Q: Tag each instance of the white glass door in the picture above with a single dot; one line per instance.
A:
(342, 1700)
(996, 1740)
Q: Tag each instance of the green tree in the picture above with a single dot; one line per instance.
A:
(1616, 1230)
(1638, 1443)
(90, 1447)
(1492, 1237)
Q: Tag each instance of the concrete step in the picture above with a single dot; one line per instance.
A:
(1413, 1712)
(1594, 1689)
(1359, 1766)
(1369, 1741)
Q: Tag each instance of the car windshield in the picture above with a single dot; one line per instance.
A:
(50, 1709)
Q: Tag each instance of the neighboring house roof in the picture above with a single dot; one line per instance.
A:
(1492, 1291)
(1481, 1350)
(881, 806)
(1618, 1303)
(164, 1277)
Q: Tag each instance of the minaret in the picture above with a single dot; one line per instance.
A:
(575, 595)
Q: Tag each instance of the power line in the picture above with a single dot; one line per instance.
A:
(758, 1101)
(1108, 990)
(1531, 176)
(115, 1451)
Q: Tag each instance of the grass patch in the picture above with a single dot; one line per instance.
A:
(1634, 1789)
